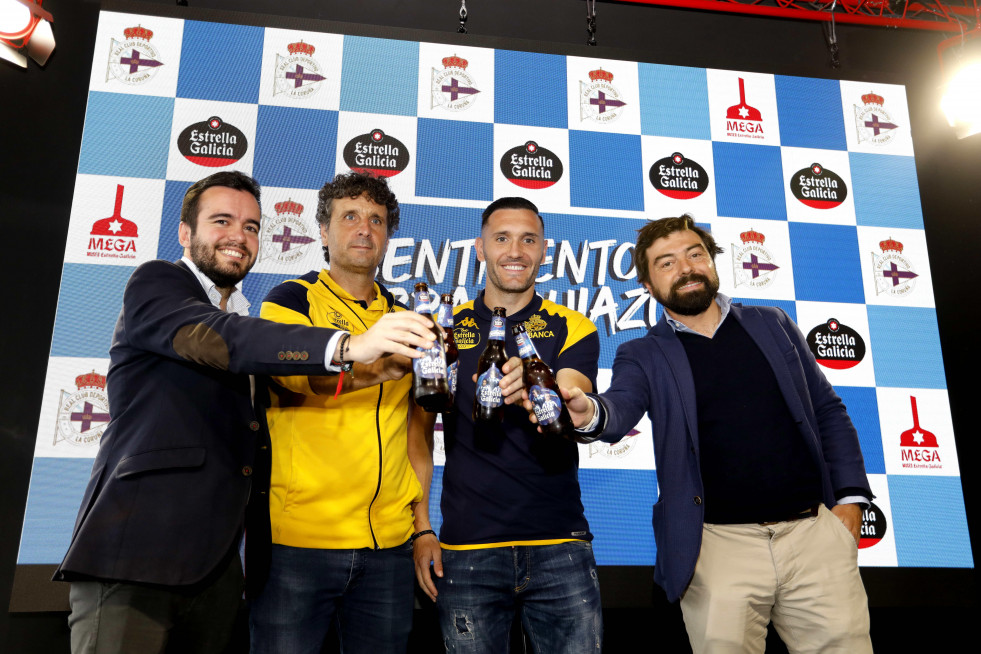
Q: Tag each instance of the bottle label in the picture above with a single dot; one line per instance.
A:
(422, 300)
(489, 387)
(547, 404)
(432, 364)
(451, 372)
(497, 328)
(444, 316)
(525, 347)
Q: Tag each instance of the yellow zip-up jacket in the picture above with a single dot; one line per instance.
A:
(341, 477)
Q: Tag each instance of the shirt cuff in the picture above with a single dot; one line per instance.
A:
(591, 425)
(856, 499)
(329, 354)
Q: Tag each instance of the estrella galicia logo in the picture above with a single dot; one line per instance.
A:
(873, 526)
(818, 187)
(376, 153)
(678, 178)
(836, 346)
(531, 166)
(213, 143)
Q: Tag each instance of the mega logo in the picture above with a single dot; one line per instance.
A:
(836, 346)
(678, 178)
(918, 447)
(873, 526)
(115, 236)
(376, 153)
(744, 120)
(818, 187)
(213, 143)
(531, 166)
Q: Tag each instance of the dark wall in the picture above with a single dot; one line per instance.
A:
(41, 116)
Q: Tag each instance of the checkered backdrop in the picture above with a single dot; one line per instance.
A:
(809, 185)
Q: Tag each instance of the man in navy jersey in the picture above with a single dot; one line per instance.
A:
(759, 468)
(514, 540)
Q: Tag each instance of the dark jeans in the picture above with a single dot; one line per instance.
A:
(369, 593)
(552, 587)
(125, 618)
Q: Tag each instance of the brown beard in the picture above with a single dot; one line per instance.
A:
(693, 303)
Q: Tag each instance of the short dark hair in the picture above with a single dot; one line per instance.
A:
(353, 185)
(655, 229)
(232, 179)
(510, 203)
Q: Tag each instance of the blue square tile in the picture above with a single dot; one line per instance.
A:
(886, 191)
(674, 101)
(455, 160)
(294, 148)
(749, 181)
(929, 521)
(57, 487)
(810, 113)
(599, 170)
(83, 324)
(906, 347)
(168, 248)
(530, 89)
(126, 135)
(380, 76)
(220, 62)
(827, 265)
(863, 409)
(618, 507)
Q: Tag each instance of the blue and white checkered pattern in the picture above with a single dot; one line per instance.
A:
(856, 254)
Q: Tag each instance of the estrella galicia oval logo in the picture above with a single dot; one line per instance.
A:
(376, 153)
(836, 346)
(873, 526)
(531, 166)
(818, 187)
(678, 178)
(213, 143)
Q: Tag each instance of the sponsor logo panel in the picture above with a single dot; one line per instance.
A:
(135, 54)
(895, 267)
(743, 107)
(301, 69)
(115, 220)
(209, 136)
(917, 432)
(603, 95)
(74, 408)
(456, 83)
(837, 336)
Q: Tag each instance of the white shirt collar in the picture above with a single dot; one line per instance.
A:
(724, 303)
(236, 301)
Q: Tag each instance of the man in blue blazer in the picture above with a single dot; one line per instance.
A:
(183, 466)
(761, 478)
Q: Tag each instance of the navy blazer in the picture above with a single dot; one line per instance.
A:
(651, 374)
(178, 461)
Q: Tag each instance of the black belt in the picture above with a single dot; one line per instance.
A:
(810, 512)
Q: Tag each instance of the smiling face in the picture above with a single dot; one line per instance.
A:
(512, 244)
(683, 276)
(356, 236)
(224, 242)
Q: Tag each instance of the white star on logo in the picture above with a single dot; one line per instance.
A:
(115, 227)
(918, 437)
(743, 111)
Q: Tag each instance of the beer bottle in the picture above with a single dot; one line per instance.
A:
(550, 411)
(488, 403)
(444, 318)
(429, 384)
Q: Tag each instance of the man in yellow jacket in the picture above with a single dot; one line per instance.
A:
(342, 486)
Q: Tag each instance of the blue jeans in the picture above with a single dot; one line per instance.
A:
(552, 587)
(369, 593)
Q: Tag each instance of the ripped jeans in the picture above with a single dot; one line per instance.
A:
(553, 588)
